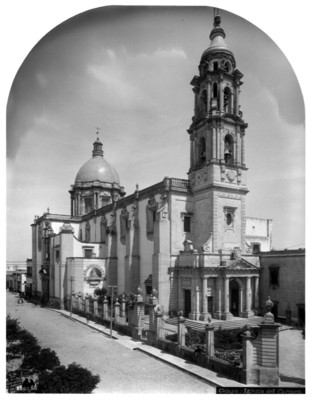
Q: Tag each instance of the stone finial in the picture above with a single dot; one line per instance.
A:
(269, 304)
(188, 246)
(269, 317)
(158, 310)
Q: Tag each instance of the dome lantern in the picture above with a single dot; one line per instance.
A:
(97, 148)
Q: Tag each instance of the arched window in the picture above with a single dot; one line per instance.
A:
(215, 65)
(88, 204)
(227, 66)
(227, 100)
(228, 154)
(204, 101)
(202, 150)
(215, 90)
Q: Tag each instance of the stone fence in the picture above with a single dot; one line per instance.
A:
(260, 354)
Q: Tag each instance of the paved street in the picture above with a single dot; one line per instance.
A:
(120, 369)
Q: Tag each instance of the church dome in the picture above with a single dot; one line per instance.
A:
(97, 168)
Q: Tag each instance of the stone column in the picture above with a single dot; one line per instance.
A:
(214, 143)
(105, 308)
(196, 95)
(248, 358)
(221, 144)
(197, 302)
(226, 294)
(218, 313)
(117, 311)
(139, 310)
(269, 371)
(238, 148)
(209, 340)
(243, 148)
(241, 294)
(204, 315)
(248, 299)
(209, 96)
(237, 101)
(123, 307)
(96, 308)
(234, 151)
(221, 96)
(181, 332)
(191, 151)
(256, 293)
(87, 304)
(80, 301)
(161, 257)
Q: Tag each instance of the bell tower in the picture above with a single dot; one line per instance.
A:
(217, 171)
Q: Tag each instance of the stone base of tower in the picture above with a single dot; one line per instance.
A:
(247, 314)
(227, 316)
(194, 315)
(205, 316)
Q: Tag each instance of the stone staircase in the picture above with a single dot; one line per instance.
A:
(235, 323)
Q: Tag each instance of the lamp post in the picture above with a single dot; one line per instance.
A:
(111, 307)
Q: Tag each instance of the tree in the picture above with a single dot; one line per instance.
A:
(73, 379)
(101, 292)
(43, 360)
(19, 341)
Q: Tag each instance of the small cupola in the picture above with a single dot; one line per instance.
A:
(97, 148)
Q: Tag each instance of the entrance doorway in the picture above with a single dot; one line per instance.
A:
(210, 304)
(187, 302)
(234, 298)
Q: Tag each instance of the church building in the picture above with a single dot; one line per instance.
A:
(190, 240)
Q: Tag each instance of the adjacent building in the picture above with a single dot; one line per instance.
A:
(283, 279)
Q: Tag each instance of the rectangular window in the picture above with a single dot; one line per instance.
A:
(88, 253)
(256, 248)
(274, 276)
(187, 223)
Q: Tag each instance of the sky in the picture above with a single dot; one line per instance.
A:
(128, 71)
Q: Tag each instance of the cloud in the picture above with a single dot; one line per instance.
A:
(172, 53)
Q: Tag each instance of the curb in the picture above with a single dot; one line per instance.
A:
(180, 368)
(86, 324)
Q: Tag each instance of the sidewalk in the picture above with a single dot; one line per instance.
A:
(210, 377)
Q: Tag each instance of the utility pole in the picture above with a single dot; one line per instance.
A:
(71, 280)
(111, 307)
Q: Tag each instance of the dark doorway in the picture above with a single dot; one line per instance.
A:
(301, 315)
(210, 304)
(187, 302)
(234, 295)
(275, 310)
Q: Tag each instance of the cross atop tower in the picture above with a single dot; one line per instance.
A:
(98, 128)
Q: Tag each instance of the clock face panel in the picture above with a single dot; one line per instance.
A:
(231, 175)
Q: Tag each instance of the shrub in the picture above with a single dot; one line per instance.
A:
(73, 379)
